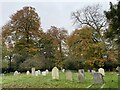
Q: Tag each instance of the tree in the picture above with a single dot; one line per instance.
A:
(92, 17)
(113, 17)
(24, 27)
(84, 50)
(23, 32)
(46, 50)
(59, 35)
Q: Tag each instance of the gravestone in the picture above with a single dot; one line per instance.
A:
(89, 71)
(98, 78)
(44, 73)
(81, 77)
(63, 70)
(27, 72)
(118, 70)
(39, 72)
(92, 72)
(47, 71)
(69, 75)
(82, 71)
(36, 73)
(101, 70)
(55, 73)
(33, 71)
(16, 73)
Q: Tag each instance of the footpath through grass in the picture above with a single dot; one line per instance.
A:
(28, 81)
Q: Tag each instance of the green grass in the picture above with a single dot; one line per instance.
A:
(28, 81)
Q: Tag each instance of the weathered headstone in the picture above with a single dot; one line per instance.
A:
(27, 72)
(89, 71)
(92, 72)
(63, 70)
(33, 71)
(69, 75)
(118, 70)
(47, 71)
(82, 71)
(81, 77)
(98, 78)
(101, 70)
(44, 73)
(55, 73)
(36, 73)
(39, 72)
(16, 73)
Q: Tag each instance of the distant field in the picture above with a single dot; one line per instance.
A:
(28, 81)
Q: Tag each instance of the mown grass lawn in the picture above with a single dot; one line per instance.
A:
(28, 81)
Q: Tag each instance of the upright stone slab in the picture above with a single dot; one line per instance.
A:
(92, 72)
(33, 71)
(39, 72)
(63, 70)
(16, 73)
(69, 75)
(102, 71)
(89, 71)
(118, 70)
(27, 72)
(47, 71)
(81, 77)
(98, 78)
(82, 71)
(55, 73)
(44, 73)
(36, 73)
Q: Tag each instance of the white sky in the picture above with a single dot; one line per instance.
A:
(52, 12)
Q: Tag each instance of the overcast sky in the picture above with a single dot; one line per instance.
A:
(51, 12)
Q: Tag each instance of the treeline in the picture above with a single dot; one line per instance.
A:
(94, 44)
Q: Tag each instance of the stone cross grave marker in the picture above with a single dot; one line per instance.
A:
(98, 78)
(55, 73)
(102, 71)
(69, 75)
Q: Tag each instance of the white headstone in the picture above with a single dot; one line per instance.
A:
(92, 71)
(55, 73)
(44, 73)
(98, 78)
(69, 75)
(16, 73)
(88, 70)
(118, 70)
(101, 70)
(47, 71)
(39, 72)
(36, 73)
(63, 70)
(33, 71)
(27, 72)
